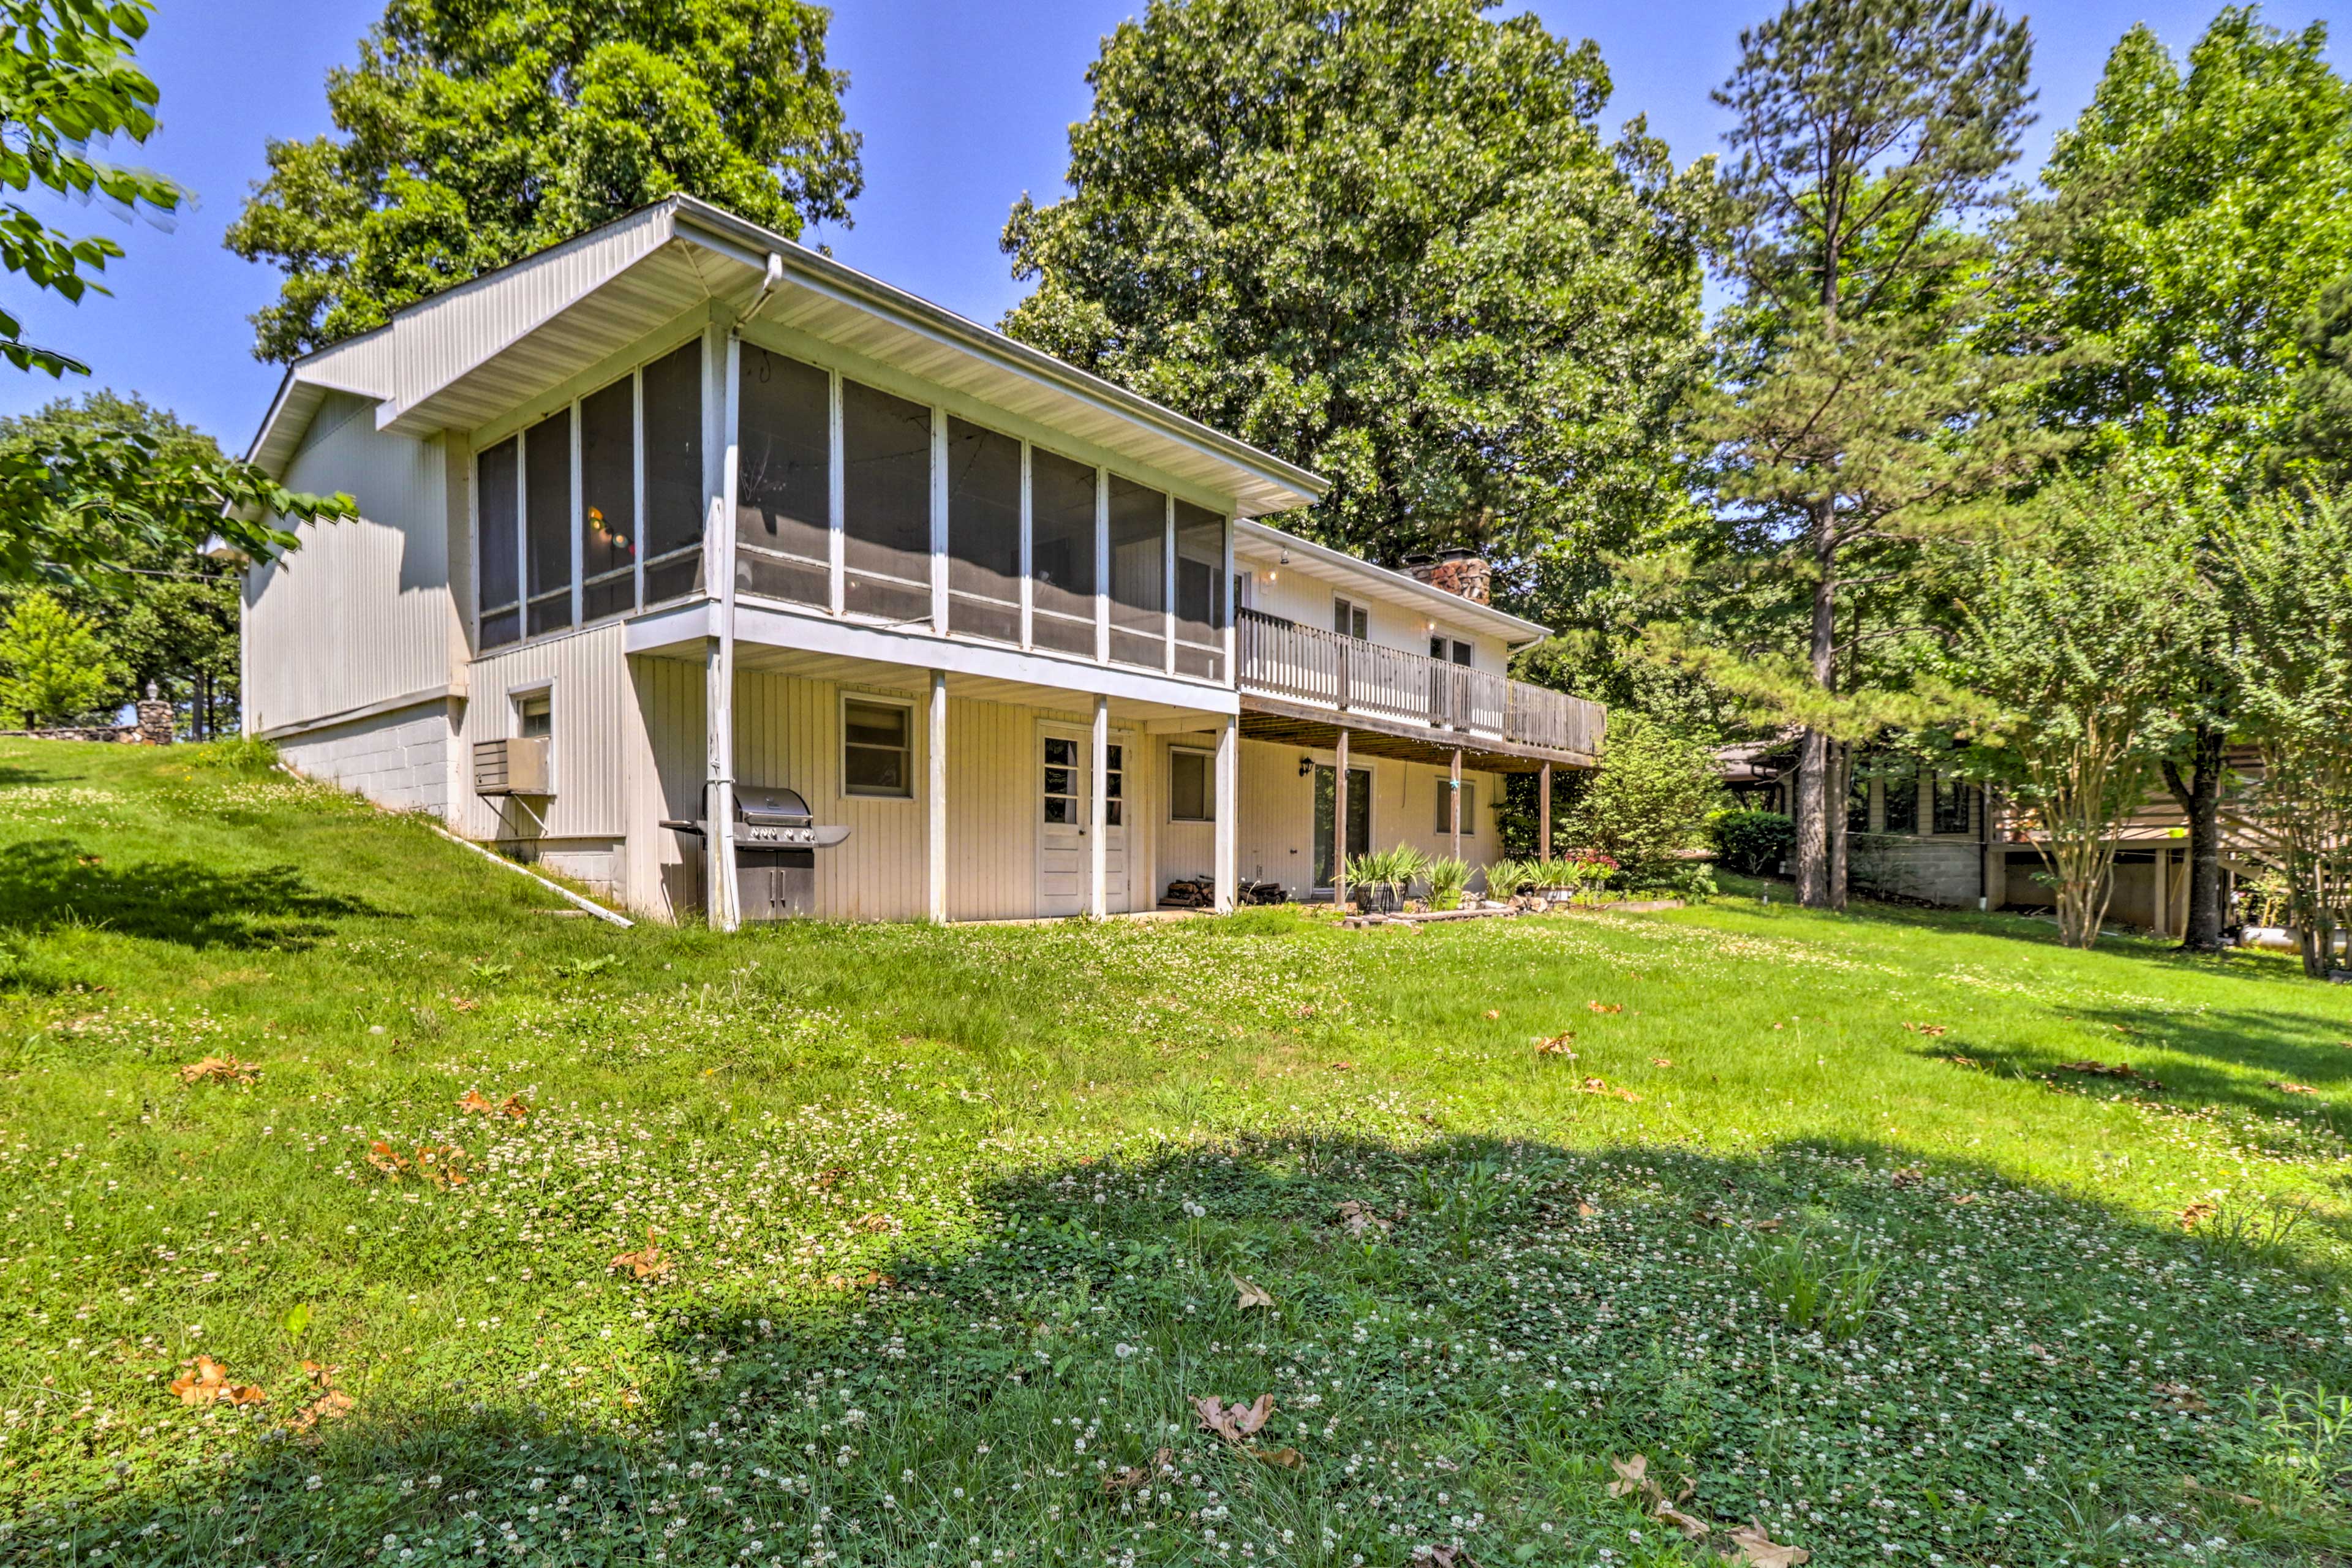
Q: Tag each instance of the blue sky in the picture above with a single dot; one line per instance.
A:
(964, 105)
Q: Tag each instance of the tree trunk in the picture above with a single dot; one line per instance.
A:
(1819, 841)
(2200, 799)
(1841, 790)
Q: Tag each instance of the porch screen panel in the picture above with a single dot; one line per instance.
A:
(1062, 553)
(983, 532)
(886, 453)
(498, 521)
(547, 522)
(783, 493)
(1902, 795)
(1139, 575)
(1201, 589)
(674, 498)
(608, 501)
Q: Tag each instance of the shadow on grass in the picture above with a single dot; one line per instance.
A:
(2032, 1377)
(49, 883)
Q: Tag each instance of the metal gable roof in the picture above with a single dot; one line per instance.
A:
(467, 355)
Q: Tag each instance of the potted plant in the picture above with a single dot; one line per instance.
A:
(1448, 877)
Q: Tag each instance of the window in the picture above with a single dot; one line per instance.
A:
(1201, 589)
(1351, 620)
(534, 714)
(1062, 553)
(498, 510)
(877, 749)
(547, 522)
(1191, 785)
(608, 501)
(1067, 804)
(1902, 794)
(885, 464)
(1469, 807)
(1139, 575)
(1112, 776)
(1857, 803)
(674, 491)
(783, 484)
(983, 532)
(1952, 799)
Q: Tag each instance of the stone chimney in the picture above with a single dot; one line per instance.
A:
(1462, 572)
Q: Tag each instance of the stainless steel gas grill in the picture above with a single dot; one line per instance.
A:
(777, 838)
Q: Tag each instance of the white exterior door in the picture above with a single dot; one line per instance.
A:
(1065, 801)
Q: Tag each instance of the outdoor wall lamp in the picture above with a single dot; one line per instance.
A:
(1306, 766)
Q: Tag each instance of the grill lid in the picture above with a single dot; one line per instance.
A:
(773, 809)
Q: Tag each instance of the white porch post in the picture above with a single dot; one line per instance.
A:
(1229, 804)
(722, 357)
(937, 801)
(1455, 791)
(1339, 829)
(1098, 814)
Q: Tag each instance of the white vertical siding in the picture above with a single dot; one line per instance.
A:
(1277, 821)
(361, 613)
(595, 721)
(1298, 595)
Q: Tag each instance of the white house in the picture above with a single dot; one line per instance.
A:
(680, 513)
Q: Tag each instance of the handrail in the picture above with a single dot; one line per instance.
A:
(1307, 663)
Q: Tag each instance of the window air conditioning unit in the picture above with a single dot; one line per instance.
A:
(516, 765)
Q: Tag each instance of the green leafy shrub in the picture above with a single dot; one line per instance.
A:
(1752, 843)
(1649, 803)
(1448, 877)
(54, 665)
(235, 754)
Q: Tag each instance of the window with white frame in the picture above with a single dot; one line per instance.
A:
(1351, 620)
(593, 511)
(878, 748)
(1191, 785)
(534, 713)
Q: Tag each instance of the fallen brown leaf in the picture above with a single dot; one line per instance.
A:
(1343, 1067)
(1493, 1014)
(2190, 1483)
(2292, 1088)
(1606, 1007)
(1359, 1219)
(1928, 1028)
(1251, 1294)
(1558, 1046)
(1758, 1549)
(1908, 1177)
(1964, 1199)
(2180, 1397)
(1585, 1210)
(474, 1102)
(2197, 1214)
(1634, 1478)
(332, 1405)
(645, 1263)
(208, 1380)
(879, 1223)
(228, 1069)
(1280, 1458)
(515, 1107)
(1232, 1422)
(388, 1159)
(463, 1004)
(1441, 1557)
(1697, 1529)
(1133, 1477)
(1661, 1061)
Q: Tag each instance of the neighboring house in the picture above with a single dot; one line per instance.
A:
(680, 514)
(1932, 837)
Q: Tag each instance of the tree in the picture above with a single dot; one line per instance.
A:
(2318, 445)
(53, 664)
(1384, 239)
(1649, 800)
(475, 133)
(2191, 220)
(1856, 408)
(67, 81)
(2065, 634)
(89, 494)
(2286, 567)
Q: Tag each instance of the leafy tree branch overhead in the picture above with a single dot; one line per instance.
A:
(67, 82)
(472, 134)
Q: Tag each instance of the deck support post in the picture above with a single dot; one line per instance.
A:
(936, 861)
(1229, 801)
(1339, 827)
(1098, 814)
(1543, 815)
(1455, 792)
(721, 355)
(2159, 892)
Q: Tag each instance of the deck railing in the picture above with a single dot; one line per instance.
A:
(1324, 669)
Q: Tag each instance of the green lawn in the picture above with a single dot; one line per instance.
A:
(950, 1225)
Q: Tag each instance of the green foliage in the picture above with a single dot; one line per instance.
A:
(2068, 639)
(54, 667)
(2193, 219)
(1819, 1285)
(1384, 240)
(2284, 566)
(1752, 843)
(1448, 875)
(1649, 802)
(2319, 441)
(248, 754)
(67, 83)
(1398, 868)
(92, 493)
(474, 134)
